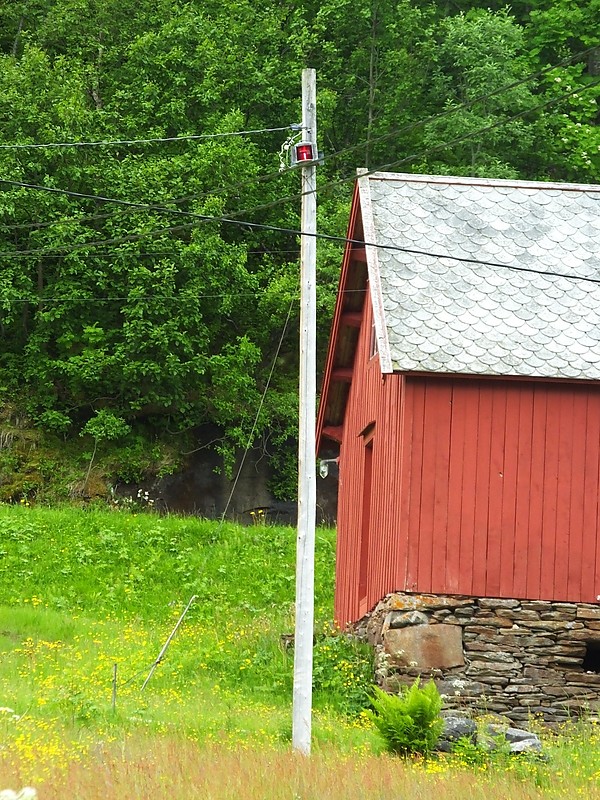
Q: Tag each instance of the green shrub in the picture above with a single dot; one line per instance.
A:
(409, 722)
(342, 671)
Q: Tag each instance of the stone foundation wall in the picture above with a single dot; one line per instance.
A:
(513, 657)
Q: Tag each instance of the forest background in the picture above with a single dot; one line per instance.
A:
(137, 310)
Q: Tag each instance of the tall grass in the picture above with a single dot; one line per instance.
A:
(170, 768)
(129, 564)
(83, 591)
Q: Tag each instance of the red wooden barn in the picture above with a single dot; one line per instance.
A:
(462, 391)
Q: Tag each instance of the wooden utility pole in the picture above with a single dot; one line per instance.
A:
(305, 550)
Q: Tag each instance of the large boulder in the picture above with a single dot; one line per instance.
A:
(516, 740)
(456, 728)
(488, 737)
(425, 647)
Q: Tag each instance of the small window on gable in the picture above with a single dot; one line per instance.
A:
(373, 349)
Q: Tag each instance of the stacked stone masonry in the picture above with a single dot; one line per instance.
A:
(517, 658)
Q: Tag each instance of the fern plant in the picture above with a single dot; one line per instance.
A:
(409, 722)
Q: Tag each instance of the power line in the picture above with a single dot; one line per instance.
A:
(337, 239)
(428, 151)
(343, 240)
(461, 106)
(345, 151)
(96, 197)
(326, 237)
(443, 145)
(289, 198)
(333, 156)
(157, 140)
(292, 231)
(294, 126)
(259, 409)
(142, 206)
(176, 201)
(280, 229)
(172, 254)
(115, 299)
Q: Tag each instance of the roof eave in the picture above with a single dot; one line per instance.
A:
(372, 252)
(323, 423)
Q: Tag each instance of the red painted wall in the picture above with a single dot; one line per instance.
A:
(482, 487)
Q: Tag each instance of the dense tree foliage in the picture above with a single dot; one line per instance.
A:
(146, 310)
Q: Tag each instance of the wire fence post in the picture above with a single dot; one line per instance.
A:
(114, 688)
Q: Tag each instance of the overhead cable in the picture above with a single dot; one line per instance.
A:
(258, 410)
(156, 140)
(344, 151)
(330, 238)
(298, 127)
(231, 219)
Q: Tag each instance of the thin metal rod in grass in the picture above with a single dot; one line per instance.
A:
(168, 642)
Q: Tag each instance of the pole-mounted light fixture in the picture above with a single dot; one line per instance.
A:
(324, 465)
(303, 153)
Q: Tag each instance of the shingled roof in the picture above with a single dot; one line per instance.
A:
(526, 312)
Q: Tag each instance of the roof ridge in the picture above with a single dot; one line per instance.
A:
(472, 181)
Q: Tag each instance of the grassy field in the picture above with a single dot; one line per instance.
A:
(89, 595)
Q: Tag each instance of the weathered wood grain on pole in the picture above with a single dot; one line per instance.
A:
(305, 553)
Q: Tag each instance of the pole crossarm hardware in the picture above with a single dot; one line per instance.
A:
(305, 550)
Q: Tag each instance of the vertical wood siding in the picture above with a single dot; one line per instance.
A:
(483, 487)
(373, 398)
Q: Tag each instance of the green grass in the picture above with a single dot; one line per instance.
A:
(142, 564)
(83, 591)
